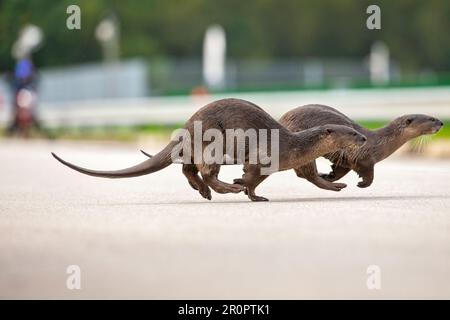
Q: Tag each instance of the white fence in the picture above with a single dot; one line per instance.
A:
(358, 104)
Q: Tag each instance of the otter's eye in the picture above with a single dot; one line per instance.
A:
(408, 121)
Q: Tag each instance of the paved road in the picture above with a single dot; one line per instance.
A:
(154, 237)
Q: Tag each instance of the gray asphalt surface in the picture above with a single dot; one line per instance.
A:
(155, 237)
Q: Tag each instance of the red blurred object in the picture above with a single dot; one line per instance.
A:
(200, 91)
(25, 104)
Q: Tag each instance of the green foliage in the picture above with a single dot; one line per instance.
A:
(415, 30)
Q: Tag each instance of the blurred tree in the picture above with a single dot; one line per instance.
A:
(416, 31)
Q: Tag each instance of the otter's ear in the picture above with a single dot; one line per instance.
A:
(328, 130)
(408, 121)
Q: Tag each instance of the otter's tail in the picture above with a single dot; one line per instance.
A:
(177, 161)
(156, 163)
(147, 154)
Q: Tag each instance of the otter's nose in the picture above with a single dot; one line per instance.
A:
(440, 123)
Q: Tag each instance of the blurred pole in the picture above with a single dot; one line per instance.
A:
(214, 57)
(108, 34)
(379, 64)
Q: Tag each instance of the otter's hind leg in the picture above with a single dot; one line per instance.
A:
(191, 173)
(210, 177)
(337, 173)
(310, 173)
(251, 179)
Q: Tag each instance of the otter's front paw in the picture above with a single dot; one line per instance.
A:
(364, 184)
(338, 186)
(258, 198)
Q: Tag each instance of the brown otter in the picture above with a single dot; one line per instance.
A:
(296, 149)
(381, 143)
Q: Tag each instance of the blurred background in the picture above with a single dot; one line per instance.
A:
(95, 81)
(143, 67)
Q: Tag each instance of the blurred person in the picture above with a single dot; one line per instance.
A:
(24, 86)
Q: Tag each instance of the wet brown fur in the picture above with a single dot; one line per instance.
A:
(381, 143)
(295, 149)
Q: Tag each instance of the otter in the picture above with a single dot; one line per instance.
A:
(295, 148)
(381, 143)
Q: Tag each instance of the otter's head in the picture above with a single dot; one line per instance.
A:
(414, 125)
(338, 136)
